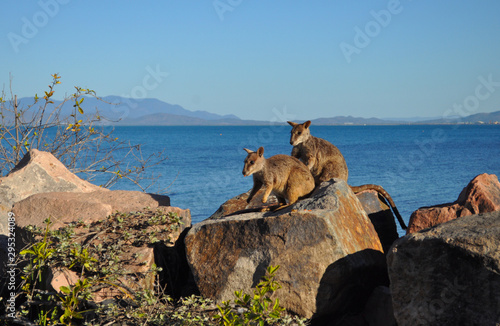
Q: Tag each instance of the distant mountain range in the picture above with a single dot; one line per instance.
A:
(478, 118)
(153, 112)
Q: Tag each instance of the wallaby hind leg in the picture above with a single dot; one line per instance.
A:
(326, 175)
(291, 195)
(331, 171)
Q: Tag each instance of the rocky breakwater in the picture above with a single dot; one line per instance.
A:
(448, 274)
(37, 172)
(330, 256)
(40, 186)
(446, 270)
(481, 195)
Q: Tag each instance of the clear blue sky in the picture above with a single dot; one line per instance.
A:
(255, 58)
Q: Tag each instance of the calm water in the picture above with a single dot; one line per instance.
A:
(418, 165)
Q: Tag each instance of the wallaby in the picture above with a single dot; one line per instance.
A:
(325, 161)
(283, 175)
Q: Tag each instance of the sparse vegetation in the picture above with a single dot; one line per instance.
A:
(79, 139)
(94, 254)
(258, 308)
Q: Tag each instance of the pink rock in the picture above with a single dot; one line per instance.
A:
(38, 172)
(40, 186)
(66, 207)
(59, 277)
(482, 195)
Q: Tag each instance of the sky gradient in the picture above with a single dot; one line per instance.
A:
(262, 60)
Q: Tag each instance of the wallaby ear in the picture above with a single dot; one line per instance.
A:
(247, 150)
(293, 124)
(260, 151)
(307, 124)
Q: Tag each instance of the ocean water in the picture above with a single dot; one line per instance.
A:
(419, 165)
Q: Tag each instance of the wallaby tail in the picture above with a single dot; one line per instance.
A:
(386, 196)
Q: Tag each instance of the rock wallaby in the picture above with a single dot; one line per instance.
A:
(325, 161)
(283, 175)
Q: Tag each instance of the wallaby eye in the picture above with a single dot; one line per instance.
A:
(299, 132)
(252, 162)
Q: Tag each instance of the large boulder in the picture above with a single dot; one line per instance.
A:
(482, 195)
(239, 203)
(37, 172)
(381, 216)
(379, 213)
(449, 274)
(40, 186)
(329, 253)
(67, 207)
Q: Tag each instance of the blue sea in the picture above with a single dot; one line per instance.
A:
(419, 165)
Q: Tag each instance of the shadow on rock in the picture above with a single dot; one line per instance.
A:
(347, 284)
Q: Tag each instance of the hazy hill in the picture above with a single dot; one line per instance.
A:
(119, 108)
(167, 119)
(148, 106)
(474, 118)
(343, 120)
(126, 111)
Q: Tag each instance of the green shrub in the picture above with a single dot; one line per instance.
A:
(100, 265)
(97, 260)
(257, 308)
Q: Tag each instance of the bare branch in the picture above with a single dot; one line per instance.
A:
(75, 139)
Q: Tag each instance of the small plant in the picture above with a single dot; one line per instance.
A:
(190, 311)
(39, 255)
(257, 309)
(82, 258)
(71, 300)
(33, 276)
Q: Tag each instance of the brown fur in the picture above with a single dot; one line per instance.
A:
(325, 161)
(283, 175)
